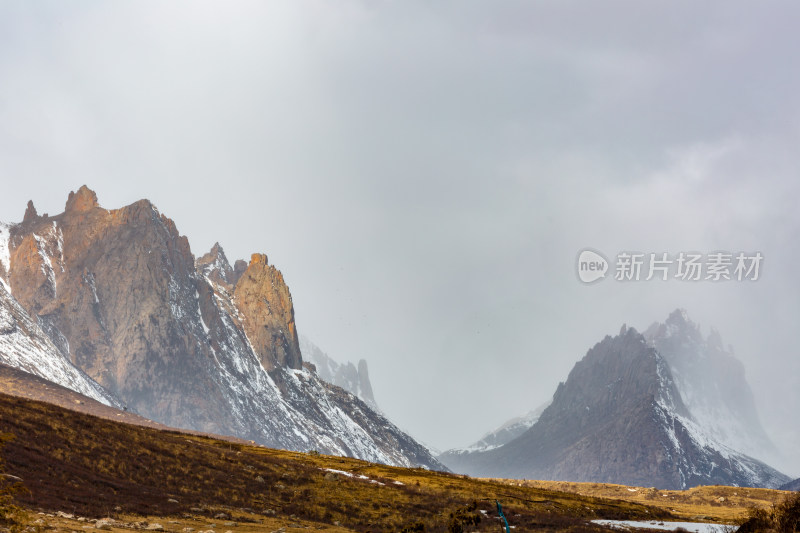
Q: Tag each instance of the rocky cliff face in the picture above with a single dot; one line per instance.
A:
(24, 345)
(348, 376)
(189, 343)
(619, 418)
(264, 300)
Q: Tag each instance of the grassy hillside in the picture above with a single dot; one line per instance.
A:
(88, 466)
(91, 467)
(708, 503)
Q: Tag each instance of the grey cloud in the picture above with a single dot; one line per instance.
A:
(425, 174)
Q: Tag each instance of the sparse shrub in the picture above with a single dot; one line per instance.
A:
(783, 518)
(757, 520)
(787, 514)
(10, 514)
(462, 519)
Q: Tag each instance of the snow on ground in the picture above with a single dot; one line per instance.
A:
(360, 476)
(665, 526)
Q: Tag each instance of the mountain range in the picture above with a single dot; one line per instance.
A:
(350, 377)
(667, 408)
(792, 485)
(114, 305)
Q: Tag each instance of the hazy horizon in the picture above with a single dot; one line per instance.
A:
(425, 175)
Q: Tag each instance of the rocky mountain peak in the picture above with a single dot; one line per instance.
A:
(712, 382)
(215, 265)
(594, 383)
(679, 325)
(30, 212)
(239, 268)
(257, 259)
(352, 378)
(115, 300)
(264, 299)
(82, 200)
(621, 417)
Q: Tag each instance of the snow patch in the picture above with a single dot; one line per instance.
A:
(25, 345)
(698, 527)
(47, 265)
(5, 252)
(360, 476)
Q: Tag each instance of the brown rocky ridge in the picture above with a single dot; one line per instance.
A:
(188, 343)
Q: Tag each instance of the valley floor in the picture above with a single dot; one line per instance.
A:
(708, 503)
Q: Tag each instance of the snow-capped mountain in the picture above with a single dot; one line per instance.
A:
(196, 344)
(619, 418)
(712, 384)
(504, 434)
(352, 378)
(792, 485)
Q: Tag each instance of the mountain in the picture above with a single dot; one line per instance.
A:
(352, 378)
(25, 345)
(504, 434)
(712, 384)
(792, 485)
(190, 343)
(619, 418)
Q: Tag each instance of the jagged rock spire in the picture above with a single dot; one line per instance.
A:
(30, 212)
(83, 200)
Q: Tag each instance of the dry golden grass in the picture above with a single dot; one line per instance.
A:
(93, 467)
(78, 463)
(709, 503)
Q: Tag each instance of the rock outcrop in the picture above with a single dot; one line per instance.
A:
(352, 378)
(263, 298)
(193, 344)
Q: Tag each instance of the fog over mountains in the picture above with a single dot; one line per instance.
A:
(667, 408)
(113, 304)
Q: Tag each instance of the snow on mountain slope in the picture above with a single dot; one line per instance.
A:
(712, 384)
(695, 452)
(619, 418)
(24, 345)
(188, 342)
(5, 257)
(504, 434)
(296, 409)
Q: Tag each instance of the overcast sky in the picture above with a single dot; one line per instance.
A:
(425, 173)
